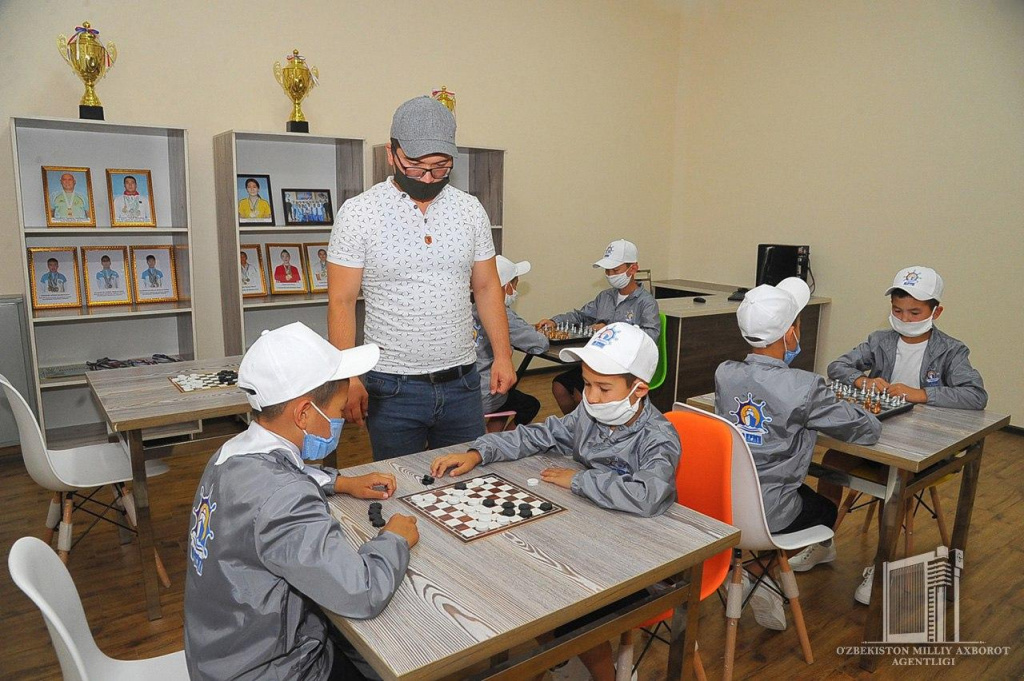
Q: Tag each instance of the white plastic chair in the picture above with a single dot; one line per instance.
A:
(45, 579)
(66, 471)
(748, 515)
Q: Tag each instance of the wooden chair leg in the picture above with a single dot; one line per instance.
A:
(52, 518)
(698, 666)
(908, 527)
(868, 516)
(851, 499)
(733, 610)
(624, 660)
(64, 533)
(940, 517)
(793, 596)
(129, 508)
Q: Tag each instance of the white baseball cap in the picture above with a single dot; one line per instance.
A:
(618, 348)
(292, 360)
(508, 270)
(617, 253)
(767, 312)
(923, 283)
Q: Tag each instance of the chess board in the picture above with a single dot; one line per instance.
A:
(208, 380)
(882, 411)
(459, 511)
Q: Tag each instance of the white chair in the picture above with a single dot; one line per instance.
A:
(67, 471)
(44, 579)
(748, 515)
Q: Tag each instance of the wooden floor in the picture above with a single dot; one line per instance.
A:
(992, 604)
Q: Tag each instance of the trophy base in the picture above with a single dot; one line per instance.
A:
(298, 126)
(92, 113)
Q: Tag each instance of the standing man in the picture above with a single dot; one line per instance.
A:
(417, 247)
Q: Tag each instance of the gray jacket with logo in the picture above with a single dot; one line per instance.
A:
(639, 308)
(780, 410)
(947, 376)
(265, 555)
(629, 468)
(523, 336)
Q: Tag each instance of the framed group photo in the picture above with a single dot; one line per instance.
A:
(67, 192)
(316, 265)
(307, 207)
(153, 274)
(284, 263)
(255, 202)
(53, 275)
(131, 197)
(107, 280)
(250, 261)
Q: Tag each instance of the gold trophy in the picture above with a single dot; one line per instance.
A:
(297, 79)
(446, 97)
(84, 53)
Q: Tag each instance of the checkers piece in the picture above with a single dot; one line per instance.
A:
(376, 504)
(509, 512)
(427, 480)
(460, 485)
(525, 507)
(507, 504)
(525, 512)
(378, 522)
(533, 482)
(490, 503)
(545, 506)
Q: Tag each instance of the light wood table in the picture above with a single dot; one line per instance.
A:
(464, 603)
(919, 447)
(144, 397)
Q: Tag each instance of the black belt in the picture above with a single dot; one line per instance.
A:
(444, 375)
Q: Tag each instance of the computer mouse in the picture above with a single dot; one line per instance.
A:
(698, 299)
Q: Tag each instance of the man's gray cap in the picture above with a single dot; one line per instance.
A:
(424, 126)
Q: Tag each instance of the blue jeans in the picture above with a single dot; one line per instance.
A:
(407, 416)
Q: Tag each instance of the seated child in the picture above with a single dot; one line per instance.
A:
(630, 450)
(265, 554)
(625, 301)
(913, 359)
(523, 337)
(779, 410)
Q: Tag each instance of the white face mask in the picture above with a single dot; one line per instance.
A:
(911, 329)
(613, 413)
(511, 297)
(618, 281)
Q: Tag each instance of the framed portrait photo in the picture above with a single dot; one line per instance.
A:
(153, 274)
(131, 197)
(255, 202)
(316, 266)
(53, 273)
(307, 207)
(284, 264)
(253, 281)
(107, 275)
(67, 192)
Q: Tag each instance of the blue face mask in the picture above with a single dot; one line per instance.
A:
(315, 447)
(791, 354)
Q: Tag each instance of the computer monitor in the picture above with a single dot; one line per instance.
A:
(776, 262)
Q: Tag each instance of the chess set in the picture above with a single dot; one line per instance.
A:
(477, 508)
(208, 380)
(565, 331)
(880, 403)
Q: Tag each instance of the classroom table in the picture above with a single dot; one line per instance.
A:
(919, 447)
(144, 397)
(465, 603)
(551, 354)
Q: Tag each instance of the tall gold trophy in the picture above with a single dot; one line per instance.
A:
(446, 97)
(297, 80)
(87, 56)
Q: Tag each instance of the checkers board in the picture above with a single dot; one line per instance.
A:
(208, 380)
(460, 511)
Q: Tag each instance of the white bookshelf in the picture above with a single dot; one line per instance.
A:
(72, 336)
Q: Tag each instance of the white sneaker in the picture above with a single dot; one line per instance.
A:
(863, 593)
(766, 604)
(813, 555)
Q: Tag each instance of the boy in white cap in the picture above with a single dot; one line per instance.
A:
(913, 359)
(524, 337)
(630, 450)
(626, 301)
(780, 410)
(265, 554)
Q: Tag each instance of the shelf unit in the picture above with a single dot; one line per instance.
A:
(292, 160)
(70, 337)
(477, 170)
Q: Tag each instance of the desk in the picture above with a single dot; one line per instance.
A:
(461, 604)
(551, 354)
(144, 397)
(919, 447)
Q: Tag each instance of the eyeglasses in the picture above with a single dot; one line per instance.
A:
(416, 173)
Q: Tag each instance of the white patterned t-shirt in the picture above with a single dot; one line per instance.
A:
(416, 273)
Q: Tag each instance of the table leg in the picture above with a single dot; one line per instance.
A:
(965, 506)
(521, 371)
(685, 619)
(888, 536)
(140, 490)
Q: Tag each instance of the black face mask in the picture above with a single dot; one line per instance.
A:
(418, 190)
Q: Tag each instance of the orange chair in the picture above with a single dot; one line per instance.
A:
(704, 484)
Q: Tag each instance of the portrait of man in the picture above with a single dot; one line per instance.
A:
(316, 256)
(106, 281)
(53, 275)
(53, 280)
(250, 271)
(154, 275)
(68, 194)
(107, 278)
(131, 198)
